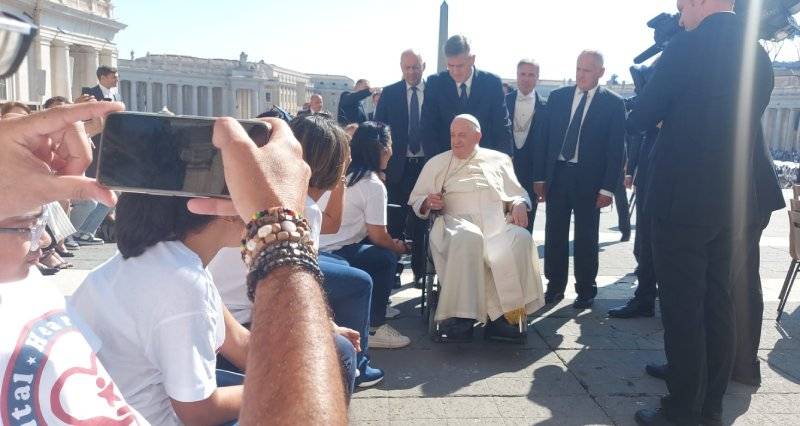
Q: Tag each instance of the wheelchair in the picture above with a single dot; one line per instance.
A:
(430, 295)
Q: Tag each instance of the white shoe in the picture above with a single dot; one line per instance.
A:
(386, 337)
(392, 312)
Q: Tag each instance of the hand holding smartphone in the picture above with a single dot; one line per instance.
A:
(166, 155)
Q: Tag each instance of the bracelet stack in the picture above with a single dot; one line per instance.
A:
(275, 238)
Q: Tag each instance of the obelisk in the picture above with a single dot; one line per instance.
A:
(443, 11)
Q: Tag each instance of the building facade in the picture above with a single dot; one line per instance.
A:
(75, 37)
(210, 87)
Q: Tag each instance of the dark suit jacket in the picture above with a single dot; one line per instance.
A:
(486, 102)
(393, 110)
(602, 141)
(524, 158)
(350, 108)
(694, 92)
(97, 93)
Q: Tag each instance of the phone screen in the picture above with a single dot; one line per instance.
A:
(161, 154)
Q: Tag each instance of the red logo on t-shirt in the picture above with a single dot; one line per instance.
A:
(53, 376)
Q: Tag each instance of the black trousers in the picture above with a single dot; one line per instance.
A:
(565, 196)
(404, 223)
(748, 301)
(643, 250)
(623, 214)
(693, 265)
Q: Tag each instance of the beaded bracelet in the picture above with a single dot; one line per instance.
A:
(275, 238)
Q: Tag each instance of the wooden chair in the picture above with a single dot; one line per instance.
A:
(796, 190)
(794, 267)
(794, 204)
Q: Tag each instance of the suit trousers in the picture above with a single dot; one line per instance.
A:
(623, 214)
(646, 290)
(693, 265)
(566, 196)
(404, 223)
(748, 301)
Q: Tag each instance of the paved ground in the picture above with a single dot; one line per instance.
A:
(577, 368)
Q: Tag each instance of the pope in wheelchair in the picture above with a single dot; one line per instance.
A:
(486, 260)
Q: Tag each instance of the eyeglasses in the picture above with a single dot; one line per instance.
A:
(16, 36)
(34, 231)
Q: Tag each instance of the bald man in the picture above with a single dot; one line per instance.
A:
(400, 107)
(712, 191)
(485, 258)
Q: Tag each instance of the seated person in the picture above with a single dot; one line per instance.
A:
(362, 239)
(158, 314)
(486, 260)
(41, 342)
(348, 290)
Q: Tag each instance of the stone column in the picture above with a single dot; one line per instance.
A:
(210, 101)
(163, 97)
(254, 102)
(107, 58)
(44, 67)
(131, 103)
(179, 100)
(92, 62)
(150, 107)
(61, 72)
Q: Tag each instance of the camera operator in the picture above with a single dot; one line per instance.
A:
(709, 196)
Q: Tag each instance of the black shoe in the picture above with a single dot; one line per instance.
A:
(583, 302)
(626, 236)
(655, 417)
(48, 271)
(553, 298)
(457, 330)
(634, 308)
(659, 371)
(500, 329)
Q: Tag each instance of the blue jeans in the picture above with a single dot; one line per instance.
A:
(381, 265)
(349, 291)
(88, 215)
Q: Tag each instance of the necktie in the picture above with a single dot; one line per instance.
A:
(463, 97)
(574, 131)
(413, 122)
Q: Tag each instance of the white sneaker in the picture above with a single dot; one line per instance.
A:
(392, 312)
(386, 337)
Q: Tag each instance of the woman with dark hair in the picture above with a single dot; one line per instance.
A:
(326, 150)
(158, 315)
(362, 238)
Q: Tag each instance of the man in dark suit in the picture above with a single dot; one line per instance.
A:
(577, 172)
(528, 114)
(106, 89)
(316, 105)
(350, 108)
(462, 89)
(643, 302)
(711, 191)
(400, 107)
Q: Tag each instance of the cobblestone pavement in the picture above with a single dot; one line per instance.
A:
(577, 368)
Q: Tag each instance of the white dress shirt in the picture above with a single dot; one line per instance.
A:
(468, 83)
(575, 102)
(111, 93)
(523, 117)
(420, 97)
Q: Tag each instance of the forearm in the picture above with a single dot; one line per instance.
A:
(381, 238)
(332, 216)
(294, 375)
(221, 407)
(237, 341)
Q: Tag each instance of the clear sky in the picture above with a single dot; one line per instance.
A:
(364, 38)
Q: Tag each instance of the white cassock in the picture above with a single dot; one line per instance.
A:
(486, 265)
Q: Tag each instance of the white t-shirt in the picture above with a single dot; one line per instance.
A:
(230, 274)
(160, 319)
(50, 373)
(364, 204)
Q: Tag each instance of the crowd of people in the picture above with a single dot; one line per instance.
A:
(265, 307)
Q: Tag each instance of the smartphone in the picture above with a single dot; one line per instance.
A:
(165, 155)
(86, 91)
